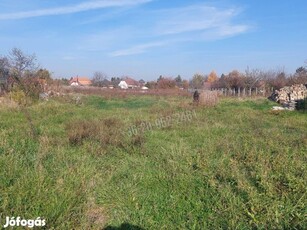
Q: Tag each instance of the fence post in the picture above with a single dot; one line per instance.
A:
(243, 92)
(239, 92)
(250, 92)
(256, 91)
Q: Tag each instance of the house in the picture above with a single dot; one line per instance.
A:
(80, 81)
(128, 83)
(123, 85)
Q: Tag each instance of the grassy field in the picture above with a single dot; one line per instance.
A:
(154, 163)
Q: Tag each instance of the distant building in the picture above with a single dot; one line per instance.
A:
(128, 83)
(80, 81)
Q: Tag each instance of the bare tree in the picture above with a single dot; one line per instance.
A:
(300, 76)
(22, 68)
(21, 63)
(253, 78)
(276, 79)
(99, 78)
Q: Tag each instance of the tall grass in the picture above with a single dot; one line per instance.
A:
(236, 165)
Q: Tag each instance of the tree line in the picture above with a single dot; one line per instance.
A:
(20, 72)
(249, 79)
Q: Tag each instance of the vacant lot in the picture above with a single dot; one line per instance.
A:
(154, 162)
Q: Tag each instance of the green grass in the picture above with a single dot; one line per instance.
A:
(238, 165)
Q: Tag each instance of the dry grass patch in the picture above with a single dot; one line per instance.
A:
(208, 98)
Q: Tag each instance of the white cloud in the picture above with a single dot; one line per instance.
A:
(137, 49)
(231, 30)
(81, 7)
(193, 23)
(194, 18)
(188, 24)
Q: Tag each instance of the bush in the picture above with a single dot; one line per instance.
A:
(106, 132)
(80, 130)
(302, 104)
(18, 96)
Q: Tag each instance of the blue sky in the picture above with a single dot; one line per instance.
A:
(148, 38)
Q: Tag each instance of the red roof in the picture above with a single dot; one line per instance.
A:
(80, 80)
(131, 81)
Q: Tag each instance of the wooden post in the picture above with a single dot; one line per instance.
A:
(250, 92)
(239, 92)
(256, 91)
(243, 92)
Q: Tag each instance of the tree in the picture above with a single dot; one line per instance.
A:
(4, 66)
(253, 78)
(151, 84)
(276, 78)
(23, 69)
(212, 77)
(99, 78)
(115, 81)
(197, 81)
(234, 80)
(142, 82)
(300, 76)
(44, 74)
(64, 81)
(26, 85)
(178, 81)
(301, 70)
(185, 84)
(4, 73)
(20, 63)
(166, 83)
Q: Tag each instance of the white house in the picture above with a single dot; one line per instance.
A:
(128, 83)
(123, 85)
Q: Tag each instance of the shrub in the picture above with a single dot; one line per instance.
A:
(302, 104)
(18, 96)
(80, 130)
(106, 132)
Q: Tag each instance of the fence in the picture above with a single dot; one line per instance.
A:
(244, 92)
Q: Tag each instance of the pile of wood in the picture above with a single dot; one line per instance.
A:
(290, 95)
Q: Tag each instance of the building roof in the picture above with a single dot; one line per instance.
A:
(131, 81)
(80, 80)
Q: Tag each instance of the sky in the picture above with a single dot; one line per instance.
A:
(148, 38)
